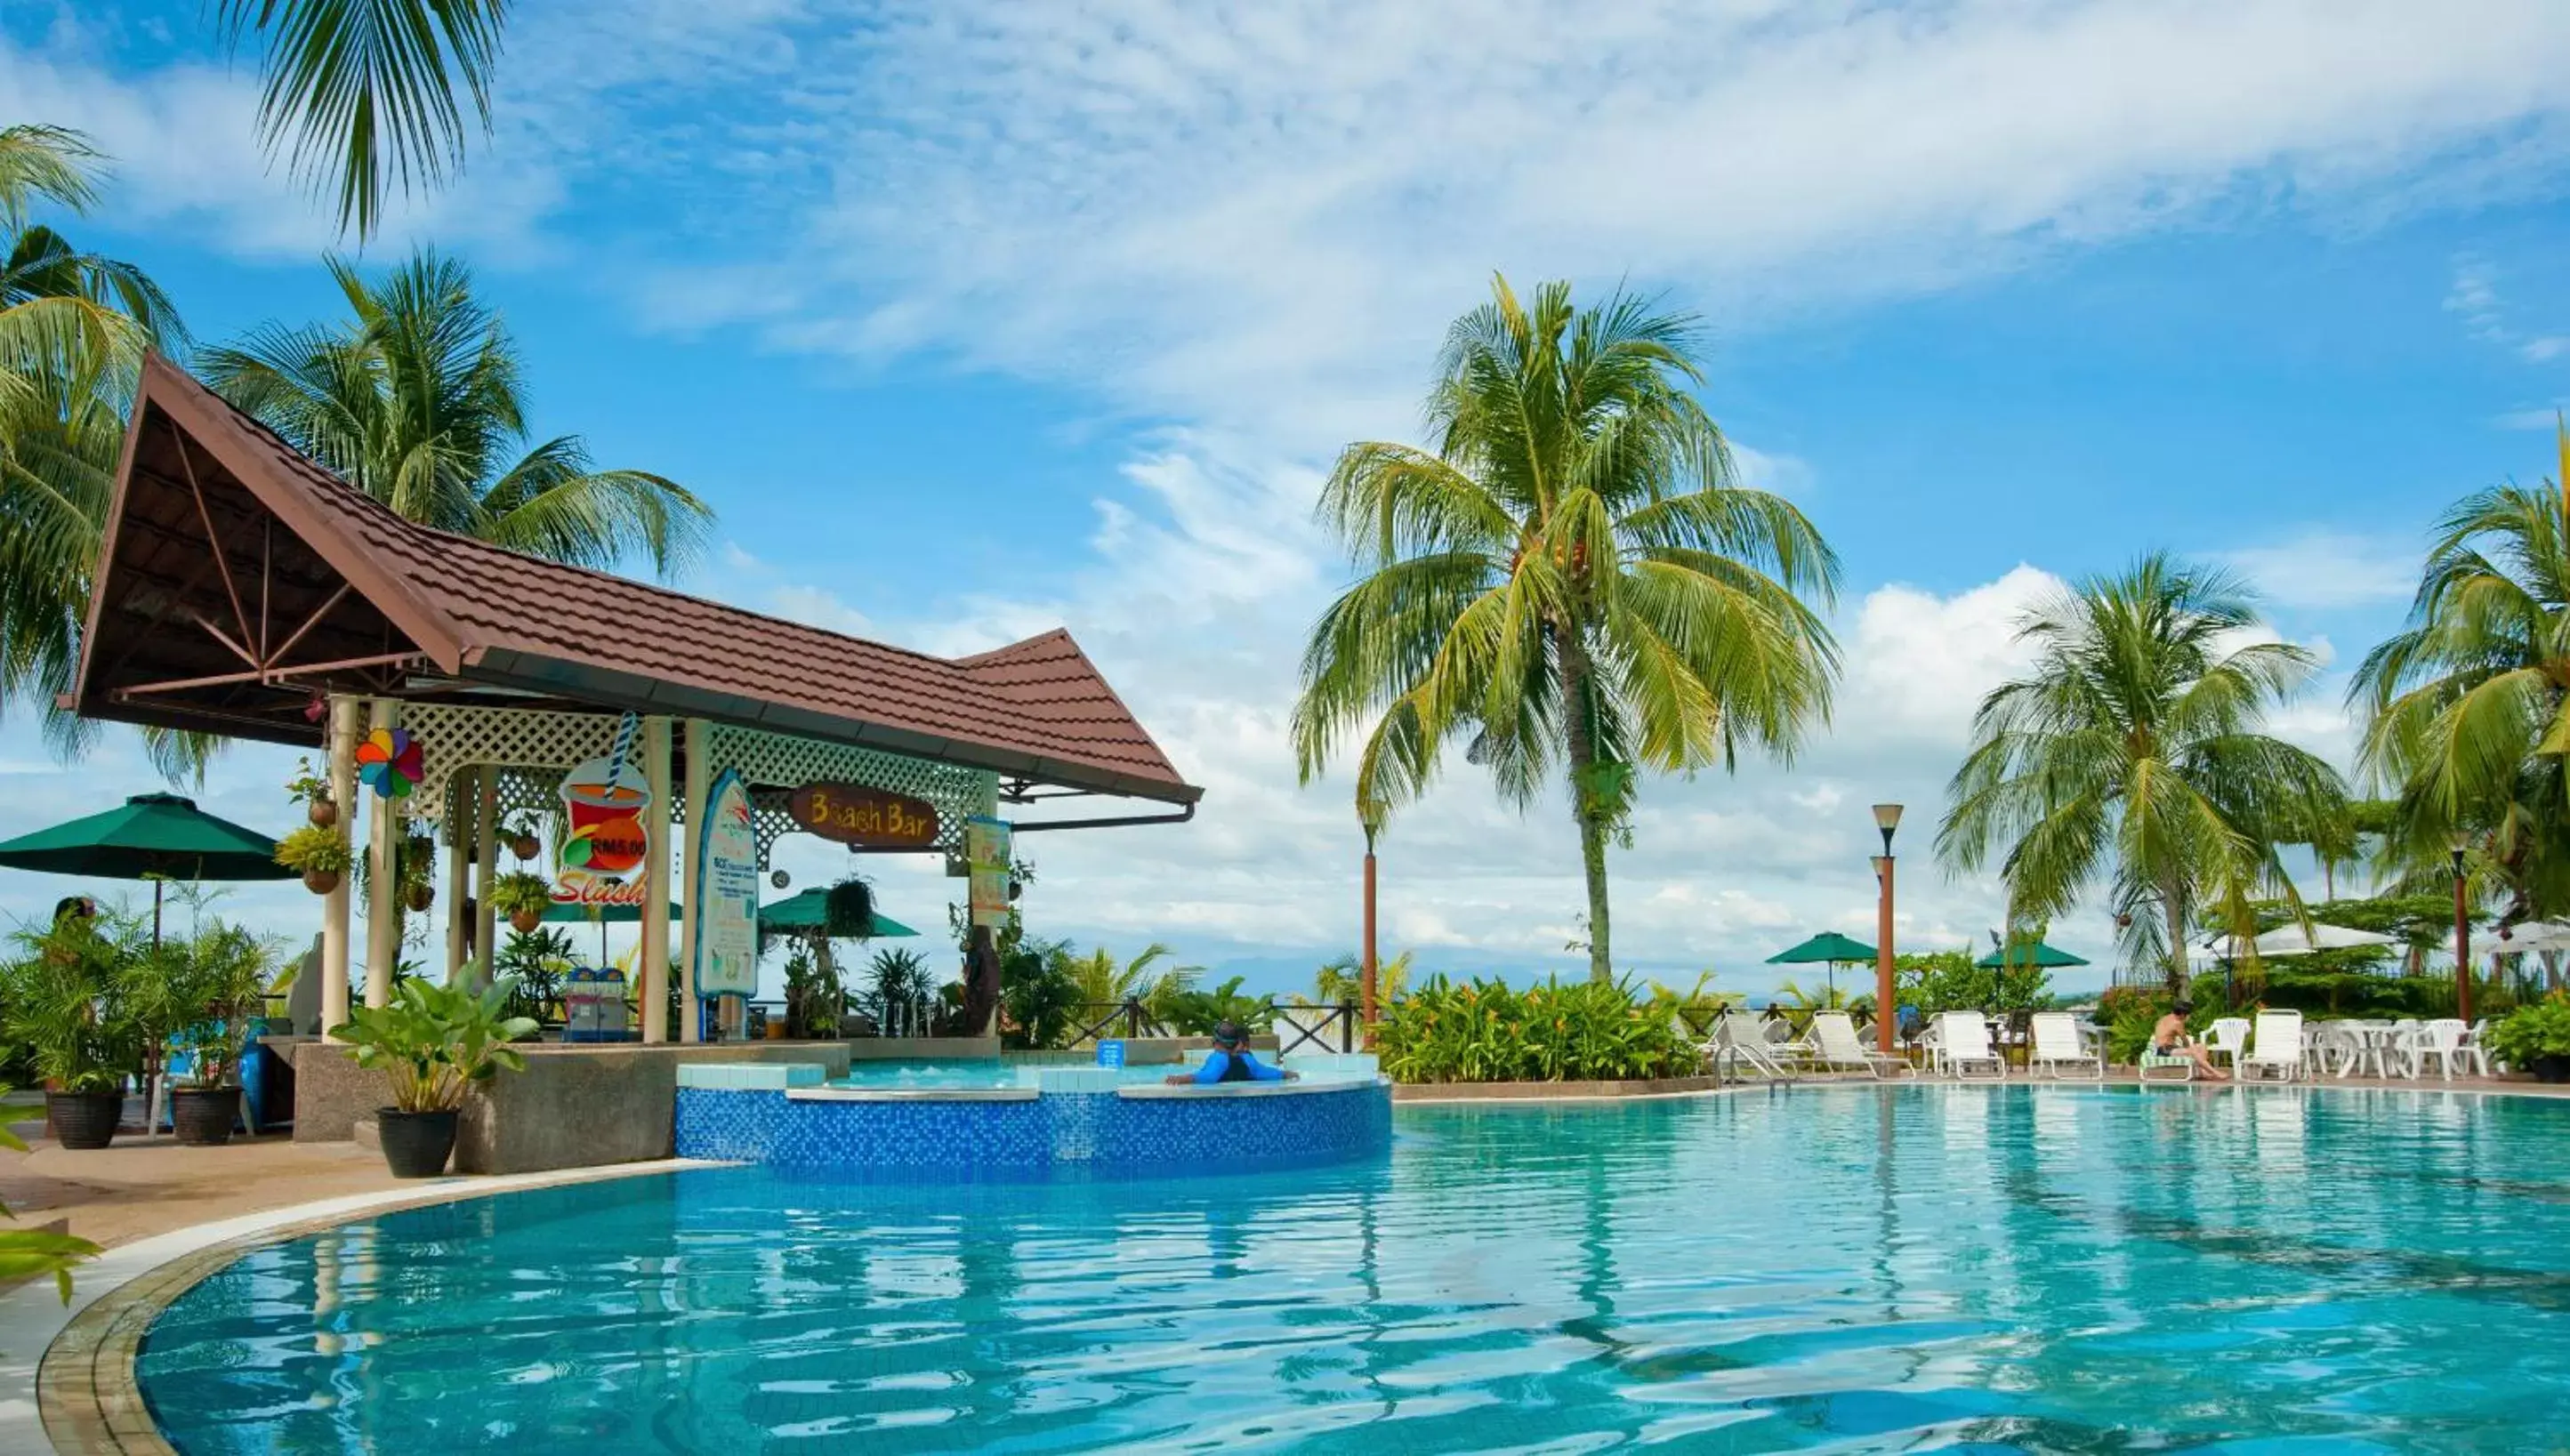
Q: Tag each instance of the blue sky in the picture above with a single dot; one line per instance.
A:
(971, 321)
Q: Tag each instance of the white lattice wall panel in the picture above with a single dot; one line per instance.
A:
(533, 751)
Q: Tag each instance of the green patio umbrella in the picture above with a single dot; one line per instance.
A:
(558, 914)
(2048, 957)
(154, 837)
(806, 912)
(1826, 948)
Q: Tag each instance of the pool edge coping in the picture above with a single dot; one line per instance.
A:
(80, 1393)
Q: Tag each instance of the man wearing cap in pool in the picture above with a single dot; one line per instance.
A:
(1231, 1062)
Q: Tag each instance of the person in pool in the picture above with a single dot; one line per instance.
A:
(1231, 1062)
(2169, 1039)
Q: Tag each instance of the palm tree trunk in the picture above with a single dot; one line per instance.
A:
(2173, 899)
(1585, 807)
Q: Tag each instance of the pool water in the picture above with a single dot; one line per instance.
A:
(923, 1075)
(1847, 1269)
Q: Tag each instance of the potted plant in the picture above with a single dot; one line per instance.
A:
(522, 898)
(416, 861)
(434, 1044)
(227, 973)
(312, 792)
(848, 909)
(519, 834)
(320, 854)
(2536, 1039)
(62, 1006)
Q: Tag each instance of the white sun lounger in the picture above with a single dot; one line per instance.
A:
(1739, 1046)
(2276, 1049)
(1834, 1045)
(2057, 1051)
(1965, 1040)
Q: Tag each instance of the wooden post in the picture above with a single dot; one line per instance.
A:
(342, 747)
(486, 865)
(699, 784)
(1885, 1013)
(655, 923)
(383, 897)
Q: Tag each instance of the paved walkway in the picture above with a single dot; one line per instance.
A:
(142, 1187)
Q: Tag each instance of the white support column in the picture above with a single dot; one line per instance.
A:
(700, 781)
(486, 865)
(655, 923)
(383, 916)
(462, 804)
(342, 750)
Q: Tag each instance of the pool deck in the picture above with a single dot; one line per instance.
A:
(169, 1215)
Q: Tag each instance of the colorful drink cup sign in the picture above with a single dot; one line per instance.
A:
(607, 841)
(853, 813)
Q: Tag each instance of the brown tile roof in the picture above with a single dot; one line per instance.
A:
(1037, 708)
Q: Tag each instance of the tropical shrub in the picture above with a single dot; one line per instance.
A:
(1039, 996)
(2540, 1030)
(1486, 1031)
(1194, 1013)
(62, 1004)
(532, 964)
(221, 977)
(435, 1043)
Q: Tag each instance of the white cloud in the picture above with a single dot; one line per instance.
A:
(2323, 570)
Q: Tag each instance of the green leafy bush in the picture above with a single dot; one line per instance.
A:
(2540, 1030)
(434, 1043)
(61, 1002)
(1038, 996)
(1486, 1031)
(1194, 1013)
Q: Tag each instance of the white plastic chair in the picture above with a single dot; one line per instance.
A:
(1835, 1045)
(2442, 1040)
(2276, 1049)
(2228, 1037)
(1965, 1039)
(2472, 1051)
(2057, 1050)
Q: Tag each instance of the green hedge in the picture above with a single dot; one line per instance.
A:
(1486, 1031)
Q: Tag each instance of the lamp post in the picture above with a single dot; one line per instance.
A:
(1370, 817)
(2462, 940)
(1887, 817)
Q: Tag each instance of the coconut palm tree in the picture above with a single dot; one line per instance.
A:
(2136, 750)
(420, 401)
(74, 329)
(2468, 707)
(362, 92)
(1569, 576)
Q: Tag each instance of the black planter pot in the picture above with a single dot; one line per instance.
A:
(416, 1144)
(203, 1117)
(2550, 1069)
(83, 1119)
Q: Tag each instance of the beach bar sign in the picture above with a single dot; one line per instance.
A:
(604, 804)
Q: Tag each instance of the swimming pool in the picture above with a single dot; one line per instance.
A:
(1851, 1268)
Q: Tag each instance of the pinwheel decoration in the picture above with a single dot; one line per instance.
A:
(388, 762)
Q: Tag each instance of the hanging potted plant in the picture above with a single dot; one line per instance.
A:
(320, 854)
(228, 974)
(434, 1044)
(848, 909)
(524, 898)
(312, 792)
(417, 861)
(519, 834)
(62, 1006)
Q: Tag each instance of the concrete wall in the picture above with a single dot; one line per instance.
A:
(572, 1106)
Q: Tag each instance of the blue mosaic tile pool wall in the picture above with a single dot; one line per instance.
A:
(1057, 1132)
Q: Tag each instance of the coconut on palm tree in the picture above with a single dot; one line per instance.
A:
(419, 400)
(1570, 578)
(74, 329)
(2468, 706)
(2136, 751)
